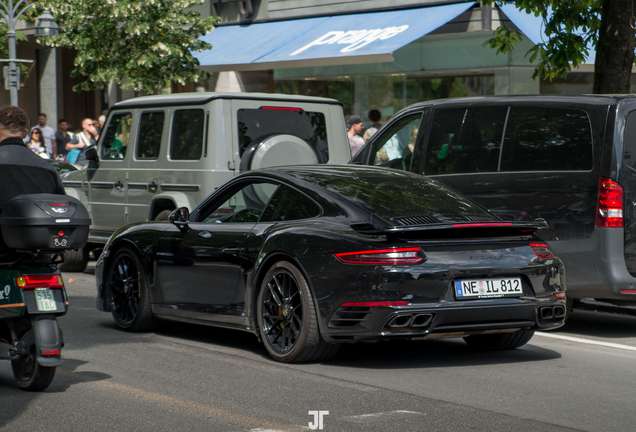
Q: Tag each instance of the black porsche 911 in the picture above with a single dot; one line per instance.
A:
(311, 257)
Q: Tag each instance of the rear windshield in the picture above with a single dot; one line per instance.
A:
(256, 124)
(408, 201)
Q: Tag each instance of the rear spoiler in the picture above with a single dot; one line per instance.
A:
(456, 230)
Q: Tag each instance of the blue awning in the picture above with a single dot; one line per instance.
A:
(345, 39)
(532, 27)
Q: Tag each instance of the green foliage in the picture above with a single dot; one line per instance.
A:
(568, 30)
(144, 45)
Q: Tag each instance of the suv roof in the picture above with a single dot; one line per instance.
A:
(197, 98)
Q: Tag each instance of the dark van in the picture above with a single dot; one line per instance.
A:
(568, 160)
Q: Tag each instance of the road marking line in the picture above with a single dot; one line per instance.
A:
(174, 401)
(383, 414)
(587, 341)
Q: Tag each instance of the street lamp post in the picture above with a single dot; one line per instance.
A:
(46, 26)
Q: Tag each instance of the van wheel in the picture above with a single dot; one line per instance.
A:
(163, 215)
(74, 260)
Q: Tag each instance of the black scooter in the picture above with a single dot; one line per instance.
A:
(36, 229)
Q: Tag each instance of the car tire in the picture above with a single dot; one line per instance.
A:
(28, 373)
(499, 341)
(163, 215)
(74, 260)
(128, 292)
(287, 318)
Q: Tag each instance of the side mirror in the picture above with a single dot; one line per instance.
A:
(180, 217)
(91, 153)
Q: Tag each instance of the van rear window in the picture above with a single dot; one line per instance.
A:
(257, 124)
(547, 139)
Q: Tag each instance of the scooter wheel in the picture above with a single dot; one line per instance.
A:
(29, 374)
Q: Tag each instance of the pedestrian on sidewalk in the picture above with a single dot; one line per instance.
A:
(49, 135)
(354, 127)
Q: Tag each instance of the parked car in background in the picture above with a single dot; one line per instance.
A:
(157, 153)
(568, 160)
(309, 257)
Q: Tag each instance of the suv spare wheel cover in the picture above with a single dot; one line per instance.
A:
(278, 150)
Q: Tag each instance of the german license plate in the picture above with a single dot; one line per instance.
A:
(488, 288)
(45, 300)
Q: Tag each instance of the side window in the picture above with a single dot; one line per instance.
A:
(395, 147)
(115, 142)
(245, 205)
(289, 204)
(465, 140)
(547, 139)
(629, 145)
(150, 134)
(186, 142)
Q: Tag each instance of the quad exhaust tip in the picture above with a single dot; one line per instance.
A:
(548, 313)
(410, 320)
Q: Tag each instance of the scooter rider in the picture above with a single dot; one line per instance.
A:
(21, 170)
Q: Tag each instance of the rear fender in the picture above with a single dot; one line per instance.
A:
(48, 336)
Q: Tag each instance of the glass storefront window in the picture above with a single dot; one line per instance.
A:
(388, 93)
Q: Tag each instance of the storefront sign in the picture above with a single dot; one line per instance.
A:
(354, 38)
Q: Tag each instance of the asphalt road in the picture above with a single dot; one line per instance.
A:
(191, 378)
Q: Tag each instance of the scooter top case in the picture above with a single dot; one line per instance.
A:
(44, 222)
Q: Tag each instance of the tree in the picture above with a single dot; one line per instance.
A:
(570, 25)
(144, 45)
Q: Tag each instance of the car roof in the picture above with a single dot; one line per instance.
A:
(198, 98)
(321, 171)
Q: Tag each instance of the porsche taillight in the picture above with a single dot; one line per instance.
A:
(609, 211)
(541, 250)
(396, 256)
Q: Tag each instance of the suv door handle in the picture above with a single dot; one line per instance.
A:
(118, 185)
(152, 186)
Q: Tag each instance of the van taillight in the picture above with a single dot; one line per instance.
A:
(609, 212)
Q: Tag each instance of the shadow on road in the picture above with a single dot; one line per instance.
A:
(600, 325)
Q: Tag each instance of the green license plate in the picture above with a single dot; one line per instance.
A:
(45, 300)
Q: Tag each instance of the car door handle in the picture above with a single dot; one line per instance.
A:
(152, 186)
(205, 234)
(231, 251)
(118, 185)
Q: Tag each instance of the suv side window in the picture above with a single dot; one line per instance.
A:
(465, 140)
(186, 142)
(117, 136)
(547, 139)
(150, 134)
(288, 204)
(395, 147)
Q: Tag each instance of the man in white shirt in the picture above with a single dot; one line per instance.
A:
(354, 127)
(49, 136)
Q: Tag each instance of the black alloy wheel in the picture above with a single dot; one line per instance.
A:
(28, 373)
(129, 296)
(287, 317)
